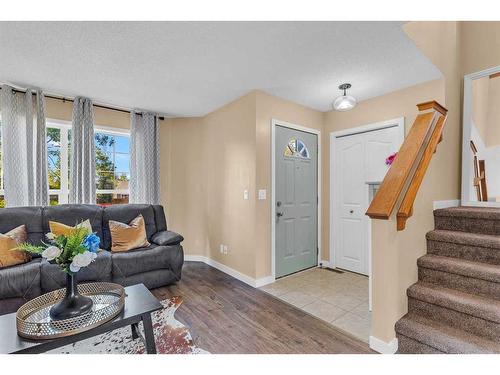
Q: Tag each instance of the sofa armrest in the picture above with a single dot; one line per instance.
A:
(166, 237)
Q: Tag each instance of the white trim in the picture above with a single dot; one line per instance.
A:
(467, 127)
(256, 283)
(274, 123)
(446, 204)
(383, 347)
(264, 281)
(324, 263)
(195, 258)
(396, 122)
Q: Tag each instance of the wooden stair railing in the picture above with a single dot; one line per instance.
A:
(404, 177)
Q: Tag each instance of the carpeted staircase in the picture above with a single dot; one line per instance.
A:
(455, 305)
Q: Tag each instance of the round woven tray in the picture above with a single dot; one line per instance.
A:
(33, 320)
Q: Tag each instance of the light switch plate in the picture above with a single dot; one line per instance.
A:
(262, 194)
(245, 195)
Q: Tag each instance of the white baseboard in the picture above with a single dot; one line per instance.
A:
(195, 258)
(324, 263)
(383, 347)
(264, 281)
(256, 283)
(446, 204)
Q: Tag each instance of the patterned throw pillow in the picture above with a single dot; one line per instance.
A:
(130, 236)
(9, 256)
(59, 229)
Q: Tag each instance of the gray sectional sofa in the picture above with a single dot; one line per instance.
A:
(157, 265)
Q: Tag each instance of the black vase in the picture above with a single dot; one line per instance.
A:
(73, 304)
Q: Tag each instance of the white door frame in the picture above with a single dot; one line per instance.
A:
(397, 122)
(467, 127)
(274, 123)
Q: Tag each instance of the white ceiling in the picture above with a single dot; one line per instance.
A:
(192, 68)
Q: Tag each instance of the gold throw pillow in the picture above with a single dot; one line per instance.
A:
(8, 243)
(130, 236)
(59, 229)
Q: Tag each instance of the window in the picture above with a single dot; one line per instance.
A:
(296, 148)
(112, 164)
(58, 143)
(112, 167)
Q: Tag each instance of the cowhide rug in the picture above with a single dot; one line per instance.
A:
(171, 337)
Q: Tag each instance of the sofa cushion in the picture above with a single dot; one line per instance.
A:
(21, 281)
(146, 259)
(161, 221)
(9, 241)
(60, 229)
(125, 237)
(166, 237)
(13, 217)
(125, 213)
(72, 214)
(99, 270)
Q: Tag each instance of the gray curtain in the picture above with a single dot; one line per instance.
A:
(24, 144)
(82, 170)
(144, 158)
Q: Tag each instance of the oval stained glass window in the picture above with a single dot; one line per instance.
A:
(296, 148)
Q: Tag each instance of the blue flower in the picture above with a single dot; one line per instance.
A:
(91, 243)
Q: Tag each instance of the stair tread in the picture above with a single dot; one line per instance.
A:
(443, 337)
(478, 306)
(464, 267)
(465, 238)
(486, 213)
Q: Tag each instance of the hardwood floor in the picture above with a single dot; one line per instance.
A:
(225, 315)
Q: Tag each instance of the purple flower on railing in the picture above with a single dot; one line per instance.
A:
(390, 159)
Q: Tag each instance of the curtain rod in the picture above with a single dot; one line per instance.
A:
(63, 99)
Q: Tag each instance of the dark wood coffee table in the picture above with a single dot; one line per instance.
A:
(139, 304)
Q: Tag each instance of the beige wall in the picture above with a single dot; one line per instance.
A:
(210, 162)
(486, 109)
(206, 164)
(480, 94)
(183, 181)
(456, 49)
(59, 110)
(394, 254)
(269, 107)
(400, 103)
(493, 128)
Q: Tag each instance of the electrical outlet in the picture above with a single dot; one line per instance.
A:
(262, 194)
(225, 249)
(221, 248)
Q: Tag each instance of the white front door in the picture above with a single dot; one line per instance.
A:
(358, 159)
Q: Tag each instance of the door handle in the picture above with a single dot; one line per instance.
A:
(279, 214)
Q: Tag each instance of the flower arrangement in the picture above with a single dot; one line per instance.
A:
(70, 252)
(390, 159)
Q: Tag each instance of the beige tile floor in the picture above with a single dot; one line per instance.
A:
(341, 299)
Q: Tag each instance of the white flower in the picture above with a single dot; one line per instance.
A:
(50, 236)
(51, 253)
(81, 260)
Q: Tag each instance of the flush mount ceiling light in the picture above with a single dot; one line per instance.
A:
(344, 102)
